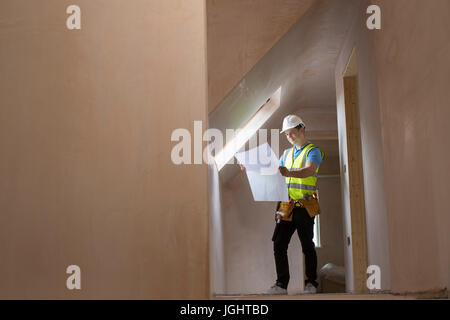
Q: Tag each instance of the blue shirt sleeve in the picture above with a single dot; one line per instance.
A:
(315, 156)
(282, 159)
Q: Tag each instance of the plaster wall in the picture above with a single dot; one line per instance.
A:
(86, 176)
(413, 71)
(403, 81)
(240, 33)
(217, 253)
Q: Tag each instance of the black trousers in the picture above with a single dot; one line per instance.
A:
(304, 224)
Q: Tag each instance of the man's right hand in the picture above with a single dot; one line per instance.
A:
(242, 167)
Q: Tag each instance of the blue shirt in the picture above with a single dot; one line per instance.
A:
(314, 155)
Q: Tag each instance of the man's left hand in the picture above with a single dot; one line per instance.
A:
(284, 171)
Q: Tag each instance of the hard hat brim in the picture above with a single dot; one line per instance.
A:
(282, 131)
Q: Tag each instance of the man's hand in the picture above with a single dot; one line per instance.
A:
(242, 167)
(284, 171)
(304, 172)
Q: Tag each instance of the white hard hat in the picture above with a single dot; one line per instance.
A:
(291, 121)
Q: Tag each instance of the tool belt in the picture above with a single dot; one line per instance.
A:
(285, 208)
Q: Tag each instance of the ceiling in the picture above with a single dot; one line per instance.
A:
(239, 34)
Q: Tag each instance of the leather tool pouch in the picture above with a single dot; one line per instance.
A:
(284, 210)
(312, 206)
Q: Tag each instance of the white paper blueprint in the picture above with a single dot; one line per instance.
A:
(266, 182)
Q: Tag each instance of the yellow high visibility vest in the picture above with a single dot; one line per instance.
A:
(298, 188)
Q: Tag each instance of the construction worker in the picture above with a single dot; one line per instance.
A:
(300, 165)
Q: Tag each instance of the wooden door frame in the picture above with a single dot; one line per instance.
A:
(355, 175)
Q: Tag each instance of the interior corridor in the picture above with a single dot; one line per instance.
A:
(333, 72)
(95, 116)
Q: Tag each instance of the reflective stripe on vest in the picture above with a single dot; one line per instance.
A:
(298, 188)
(301, 186)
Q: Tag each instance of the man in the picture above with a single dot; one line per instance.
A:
(300, 165)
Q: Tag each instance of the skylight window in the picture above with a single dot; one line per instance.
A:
(244, 133)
